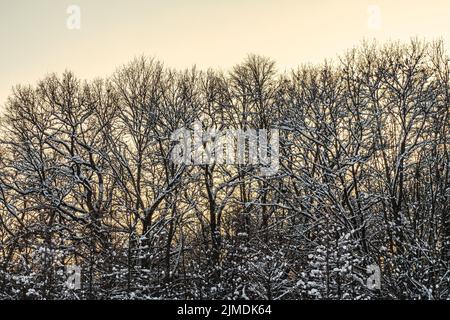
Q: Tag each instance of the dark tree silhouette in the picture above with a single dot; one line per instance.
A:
(87, 179)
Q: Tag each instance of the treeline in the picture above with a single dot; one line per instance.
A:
(86, 179)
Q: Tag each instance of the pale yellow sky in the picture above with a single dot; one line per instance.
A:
(209, 33)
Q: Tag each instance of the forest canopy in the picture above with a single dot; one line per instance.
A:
(86, 180)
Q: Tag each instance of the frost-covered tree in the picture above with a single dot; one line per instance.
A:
(87, 179)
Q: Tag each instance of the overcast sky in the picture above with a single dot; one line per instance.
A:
(35, 39)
